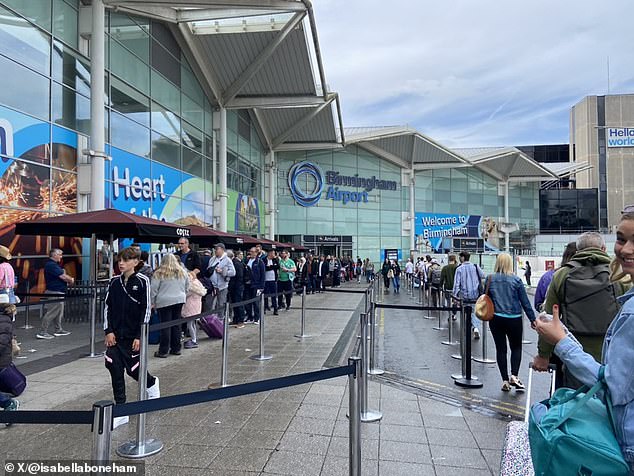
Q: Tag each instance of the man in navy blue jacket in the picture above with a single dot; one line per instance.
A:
(255, 269)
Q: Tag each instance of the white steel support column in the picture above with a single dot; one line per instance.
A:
(507, 235)
(412, 212)
(97, 114)
(272, 190)
(222, 170)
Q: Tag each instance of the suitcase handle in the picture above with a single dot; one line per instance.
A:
(552, 370)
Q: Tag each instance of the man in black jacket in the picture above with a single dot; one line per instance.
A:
(236, 287)
(127, 307)
(189, 258)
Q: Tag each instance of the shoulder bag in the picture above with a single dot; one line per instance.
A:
(484, 308)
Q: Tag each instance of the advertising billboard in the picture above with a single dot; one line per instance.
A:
(434, 229)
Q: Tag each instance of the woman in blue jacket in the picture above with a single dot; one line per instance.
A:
(508, 294)
(618, 346)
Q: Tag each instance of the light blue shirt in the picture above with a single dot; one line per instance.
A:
(466, 284)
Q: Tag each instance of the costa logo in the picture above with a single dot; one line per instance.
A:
(303, 197)
(184, 232)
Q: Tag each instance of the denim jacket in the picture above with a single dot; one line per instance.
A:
(509, 296)
(618, 355)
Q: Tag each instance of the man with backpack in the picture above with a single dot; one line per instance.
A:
(586, 298)
(435, 279)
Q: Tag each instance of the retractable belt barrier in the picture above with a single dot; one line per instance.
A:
(101, 417)
(417, 308)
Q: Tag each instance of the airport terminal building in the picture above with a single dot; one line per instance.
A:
(223, 117)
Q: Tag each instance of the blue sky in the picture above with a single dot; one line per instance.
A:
(474, 73)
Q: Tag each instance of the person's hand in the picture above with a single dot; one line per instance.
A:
(258, 292)
(551, 330)
(110, 340)
(136, 345)
(540, 363)
(533, 324)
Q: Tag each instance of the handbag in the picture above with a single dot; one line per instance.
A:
(12, 380)
(484, 308)
(573, 433)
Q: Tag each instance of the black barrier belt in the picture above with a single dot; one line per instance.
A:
(176, 401)
(244, 303)
(417, 308)
(183, 320)
(68, 296)
(353, 291)
(71, 417)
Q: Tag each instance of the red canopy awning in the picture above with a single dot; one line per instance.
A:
(105, 223)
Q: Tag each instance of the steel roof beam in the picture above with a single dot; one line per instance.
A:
(280, 5)
(209, 14)
(233, 90)
(302, 122)
(274, 102)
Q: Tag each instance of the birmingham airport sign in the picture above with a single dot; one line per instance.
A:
(308, 196)
(620, 136)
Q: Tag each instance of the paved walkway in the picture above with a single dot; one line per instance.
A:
(294, 431)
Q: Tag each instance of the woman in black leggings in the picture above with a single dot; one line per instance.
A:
(509, 298)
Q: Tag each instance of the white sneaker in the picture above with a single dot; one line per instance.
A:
(476, 333)
(120, 420)
(154, 391)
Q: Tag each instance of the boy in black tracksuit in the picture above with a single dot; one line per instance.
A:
(127, 307)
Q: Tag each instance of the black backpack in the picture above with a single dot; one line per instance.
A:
(246, 276)
(589, 299)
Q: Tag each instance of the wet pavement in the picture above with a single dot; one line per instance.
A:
(411, 353)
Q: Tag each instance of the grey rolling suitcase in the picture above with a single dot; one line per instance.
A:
(516, 454)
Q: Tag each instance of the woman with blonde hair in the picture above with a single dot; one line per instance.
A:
(170, 284)
(508, 294)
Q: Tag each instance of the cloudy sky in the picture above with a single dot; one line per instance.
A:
(474, 72)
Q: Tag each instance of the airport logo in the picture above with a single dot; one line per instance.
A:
(303, 197)
(309, 195)
(620, 136)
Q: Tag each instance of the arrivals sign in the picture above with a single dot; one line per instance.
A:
(433, 229)
(620, 136)
(306, 195)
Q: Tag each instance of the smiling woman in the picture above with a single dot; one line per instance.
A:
(618, 351)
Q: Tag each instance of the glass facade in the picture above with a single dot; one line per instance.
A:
(159, 125)
(382, 222)
(568, 210)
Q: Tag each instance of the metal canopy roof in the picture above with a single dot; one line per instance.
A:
(260, 55)
(404, 146)
(507, 164)
(563, 169)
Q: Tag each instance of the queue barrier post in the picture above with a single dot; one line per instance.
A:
(225, 346)
(484, 358)
(354, 415)
(450, 320)
(26, 298)
(367, 415)
(302, 334)
(142, 446)
(439, 300)
(101, 431)
(373, 370)
(261, 355)
(467, 380)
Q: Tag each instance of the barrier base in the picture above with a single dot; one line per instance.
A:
(456, 356)
(429, 317)
(27, 326)
(133, 449)
(261, 357)
(473, 382)
(92, 355)
(446, 342)
(483, 361)
(370, 416)
(302, 336)
(376, 372)
(440, 328)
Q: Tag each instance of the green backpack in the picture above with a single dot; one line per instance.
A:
(572, 433)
